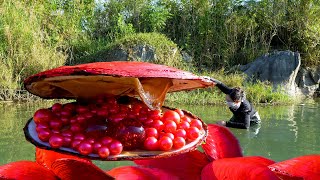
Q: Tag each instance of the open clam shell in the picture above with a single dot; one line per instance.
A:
(145, 81)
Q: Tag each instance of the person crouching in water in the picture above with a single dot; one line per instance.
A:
(244, 114)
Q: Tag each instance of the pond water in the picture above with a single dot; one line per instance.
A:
(285, 131)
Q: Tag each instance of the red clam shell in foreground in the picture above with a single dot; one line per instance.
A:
(186, 166)
(305, 167)
(242, 168)
(26, 170)
(221, 143)
(140, 173)
(75, 169)
(69, 167)
(46, 158)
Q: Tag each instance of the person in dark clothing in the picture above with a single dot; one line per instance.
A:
(244, 114)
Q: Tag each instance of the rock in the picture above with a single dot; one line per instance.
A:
(317, 93)
(315, 74)
(145, 53)
(280, 68)
(186, 57)
(140, 52)
(116, 54)
(308, 80)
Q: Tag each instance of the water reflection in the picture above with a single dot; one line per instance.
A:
(253, 131)
(285, 131)
(292, 122)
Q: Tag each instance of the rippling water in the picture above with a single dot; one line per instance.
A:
(285, 131)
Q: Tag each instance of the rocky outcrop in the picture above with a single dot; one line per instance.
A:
(308, 81)
(141, 52)
(145, 53)
(279, 68)
(282, 69)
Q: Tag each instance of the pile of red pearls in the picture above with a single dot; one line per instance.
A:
(172, 130)
(83, 127)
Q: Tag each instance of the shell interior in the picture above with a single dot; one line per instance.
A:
(32, 136)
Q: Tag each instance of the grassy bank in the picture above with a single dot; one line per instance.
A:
(213, 96)
(257, 93)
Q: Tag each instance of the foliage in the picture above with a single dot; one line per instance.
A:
(261, 92)
(37, 35)
(115, 19)
(218, 34)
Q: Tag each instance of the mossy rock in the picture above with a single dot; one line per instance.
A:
(147, 47)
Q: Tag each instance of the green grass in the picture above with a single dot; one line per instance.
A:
(256, 93)
(261, 92)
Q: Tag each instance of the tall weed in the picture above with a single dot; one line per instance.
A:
(36, 36)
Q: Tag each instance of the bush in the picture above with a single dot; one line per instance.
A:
(165, 51)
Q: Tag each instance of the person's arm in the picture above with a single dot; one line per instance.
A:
(225, 89)
(244, 125)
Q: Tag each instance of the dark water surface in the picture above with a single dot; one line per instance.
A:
(285, 131)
